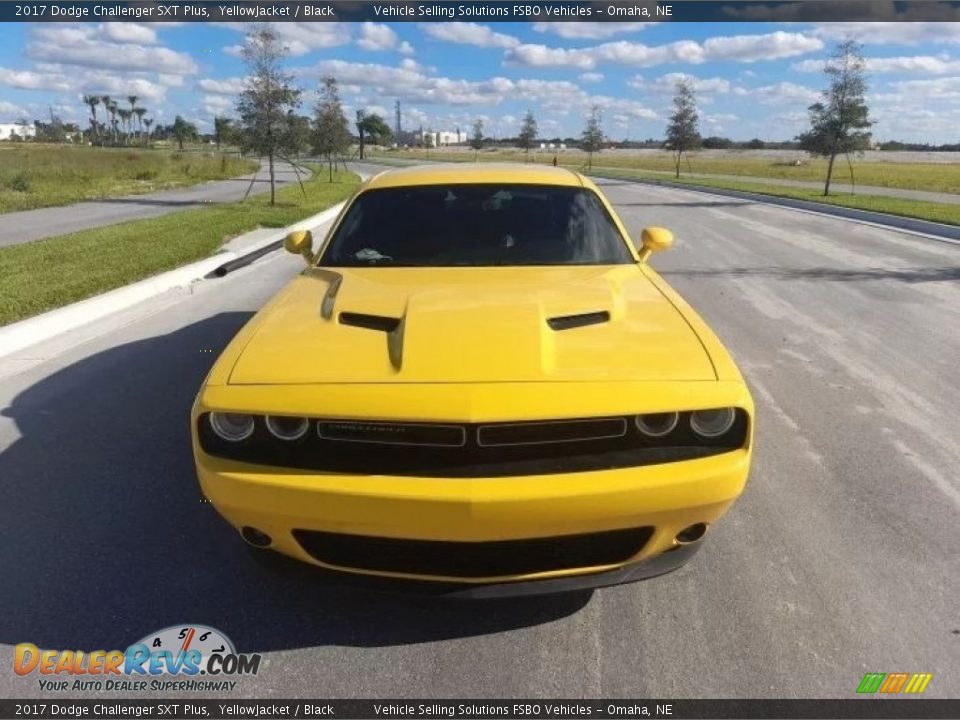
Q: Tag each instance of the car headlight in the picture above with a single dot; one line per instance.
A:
(712, 423)
(657, 425)
(232, 427)
(287, 428)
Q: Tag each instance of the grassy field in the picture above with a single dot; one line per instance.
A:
(49, 273)
(35, 176)
(934, 212)
(932, 176)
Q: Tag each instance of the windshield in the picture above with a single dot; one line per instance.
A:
(476, 225)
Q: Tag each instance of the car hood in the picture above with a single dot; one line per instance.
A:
(462, 325)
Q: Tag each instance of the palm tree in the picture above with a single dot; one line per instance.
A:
(125, 116)
(111, 106)
(140, 112)
(148, 122)
(92, 101)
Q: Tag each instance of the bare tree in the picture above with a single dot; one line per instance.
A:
(592, 138)
(528, 133)
(839, 124)
(683, 134)
(268, 98)
(331, 133)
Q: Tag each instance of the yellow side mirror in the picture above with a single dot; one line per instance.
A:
(300, 242)
(654, 239)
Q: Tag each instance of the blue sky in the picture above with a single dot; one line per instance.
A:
(752, 79)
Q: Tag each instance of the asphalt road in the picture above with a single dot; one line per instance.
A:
(842, 557)
(27, 225)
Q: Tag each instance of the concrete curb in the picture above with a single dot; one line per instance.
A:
(23, 334)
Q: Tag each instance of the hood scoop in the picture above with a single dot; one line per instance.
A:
(569, 322)
(370, 322)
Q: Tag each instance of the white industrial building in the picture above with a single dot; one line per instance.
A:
(7, 130)
(443, 137)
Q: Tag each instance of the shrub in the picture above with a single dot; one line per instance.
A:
(20, 183)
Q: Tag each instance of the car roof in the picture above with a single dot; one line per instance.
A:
(476, 173)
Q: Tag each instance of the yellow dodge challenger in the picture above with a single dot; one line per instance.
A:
(477, 384)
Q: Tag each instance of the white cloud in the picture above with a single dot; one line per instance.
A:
(299, 38)
(531, 55)
(667, 84)
(589, 30)
(217, 104)
(233, 50)
(223, 86)
(468, 33)
(125, 32)
(893, 33)
(30, 80)
(405, 48)
(82, 46)
(920, 92)
(376, 36)
(740, 48)
(781, 93)
(9, 110)
(170, 80)
(926, 64)
(750, 48)
(591, 77)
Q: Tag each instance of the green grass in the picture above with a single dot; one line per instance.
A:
(36, 176)
(934, 212)
(933, 177)
(49, 273)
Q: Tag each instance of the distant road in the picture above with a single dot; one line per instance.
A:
(22, 227)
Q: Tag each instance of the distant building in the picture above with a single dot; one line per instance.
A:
(7, 130)
(443, 137)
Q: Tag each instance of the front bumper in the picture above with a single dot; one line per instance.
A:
(665, 498)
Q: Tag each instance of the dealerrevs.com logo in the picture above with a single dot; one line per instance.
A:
(180, 657)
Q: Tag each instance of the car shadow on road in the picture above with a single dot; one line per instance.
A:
(104, 536)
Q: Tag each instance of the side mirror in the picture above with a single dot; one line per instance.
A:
(654, 239)
(300, 242)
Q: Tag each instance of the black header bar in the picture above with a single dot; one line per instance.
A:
(244, 709)
(411, 11)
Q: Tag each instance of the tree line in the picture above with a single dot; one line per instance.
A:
(839, 124)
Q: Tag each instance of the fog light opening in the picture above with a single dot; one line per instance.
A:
(257, 538)
(691, 534)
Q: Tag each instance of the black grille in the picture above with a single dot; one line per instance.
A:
(536, 433)
(474, 559)
(425, 434)
(469, 450)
